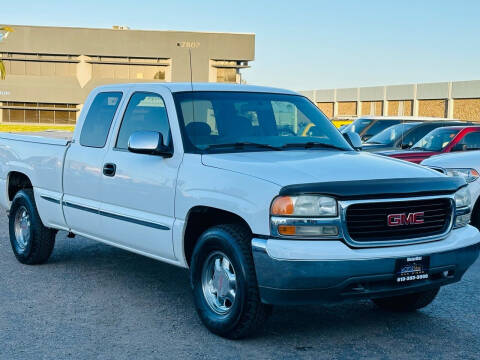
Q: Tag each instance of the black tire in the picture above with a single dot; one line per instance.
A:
(407, 303)
(247, 313)
(475, 220)
(40, 242)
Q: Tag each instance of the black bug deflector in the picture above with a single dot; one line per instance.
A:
(379, 188)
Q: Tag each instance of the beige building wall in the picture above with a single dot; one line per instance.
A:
(327, 108)
(436, 108)
(372, 108)
(467, 109)
(346, 108)
(456, 99)
(400, 108)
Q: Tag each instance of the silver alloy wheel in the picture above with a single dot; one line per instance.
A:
(219, 283)
(22, 227)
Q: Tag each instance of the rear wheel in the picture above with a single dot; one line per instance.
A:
(32, 243)
(224, 283)
(407, 303)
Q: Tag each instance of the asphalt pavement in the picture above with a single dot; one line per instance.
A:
(92, 301)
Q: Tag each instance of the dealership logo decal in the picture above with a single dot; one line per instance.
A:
(4, 32)
(405, 219)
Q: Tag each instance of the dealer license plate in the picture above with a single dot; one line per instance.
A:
(412, 269)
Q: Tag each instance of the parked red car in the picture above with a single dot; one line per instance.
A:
(439, 141)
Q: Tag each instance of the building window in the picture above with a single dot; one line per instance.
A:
(38, 113)
(226, 71)
(39, 64)
(39, 68)
(228, 75)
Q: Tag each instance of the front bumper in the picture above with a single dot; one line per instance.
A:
(300, 271)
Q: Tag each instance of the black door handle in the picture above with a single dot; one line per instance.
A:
(109, 169)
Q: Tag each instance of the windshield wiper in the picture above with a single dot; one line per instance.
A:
(311, 145)
(417, 148)
(242, 145)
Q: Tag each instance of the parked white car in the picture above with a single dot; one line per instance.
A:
(220, 179)
(465, 164)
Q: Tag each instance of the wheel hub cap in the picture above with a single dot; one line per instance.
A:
(22, 226)
(219, 283)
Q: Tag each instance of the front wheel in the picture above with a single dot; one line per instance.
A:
(224, 283)
(407, 303)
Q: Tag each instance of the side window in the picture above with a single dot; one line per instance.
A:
(379, 126)
(99, 118)
(471, 141)
(145, 112)
(416, 134)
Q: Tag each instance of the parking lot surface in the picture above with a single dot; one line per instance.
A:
(92, 301)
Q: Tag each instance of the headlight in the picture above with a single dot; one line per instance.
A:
(469, 175)
(305, 205)
(462, 198)
(462, 207)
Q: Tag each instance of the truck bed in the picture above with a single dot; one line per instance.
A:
(61, 138)
(40, 156)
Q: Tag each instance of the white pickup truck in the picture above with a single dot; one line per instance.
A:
(223, 180)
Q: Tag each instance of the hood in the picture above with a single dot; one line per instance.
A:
(309, 166)
(461, 159)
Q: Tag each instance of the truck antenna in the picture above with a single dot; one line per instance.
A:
(191, 68)
(179, 44)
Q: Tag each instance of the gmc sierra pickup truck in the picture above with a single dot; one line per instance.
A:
(221, 179)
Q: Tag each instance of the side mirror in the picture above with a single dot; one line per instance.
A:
(406, 146)
(353, 139)
(148, 142)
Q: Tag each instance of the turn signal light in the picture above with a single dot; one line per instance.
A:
(286, 229)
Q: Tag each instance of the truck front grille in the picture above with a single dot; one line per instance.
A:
(368, 222)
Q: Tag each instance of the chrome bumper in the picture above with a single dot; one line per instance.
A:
(298, 272)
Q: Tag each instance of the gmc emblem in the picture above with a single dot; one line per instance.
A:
(405, 219)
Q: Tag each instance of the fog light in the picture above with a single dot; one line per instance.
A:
(462, 220)
(310, 231)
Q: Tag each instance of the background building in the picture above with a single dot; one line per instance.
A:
(51, 70)
(458, 99)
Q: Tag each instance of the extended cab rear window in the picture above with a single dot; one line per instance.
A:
(99, 118)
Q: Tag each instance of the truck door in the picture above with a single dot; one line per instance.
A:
(84, 162)
(138, 190)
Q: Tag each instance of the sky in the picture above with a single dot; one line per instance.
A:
(302, 44)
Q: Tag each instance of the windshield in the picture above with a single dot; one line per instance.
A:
(391, 134)
(358, 125)
(245, 121)
(436, 140)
